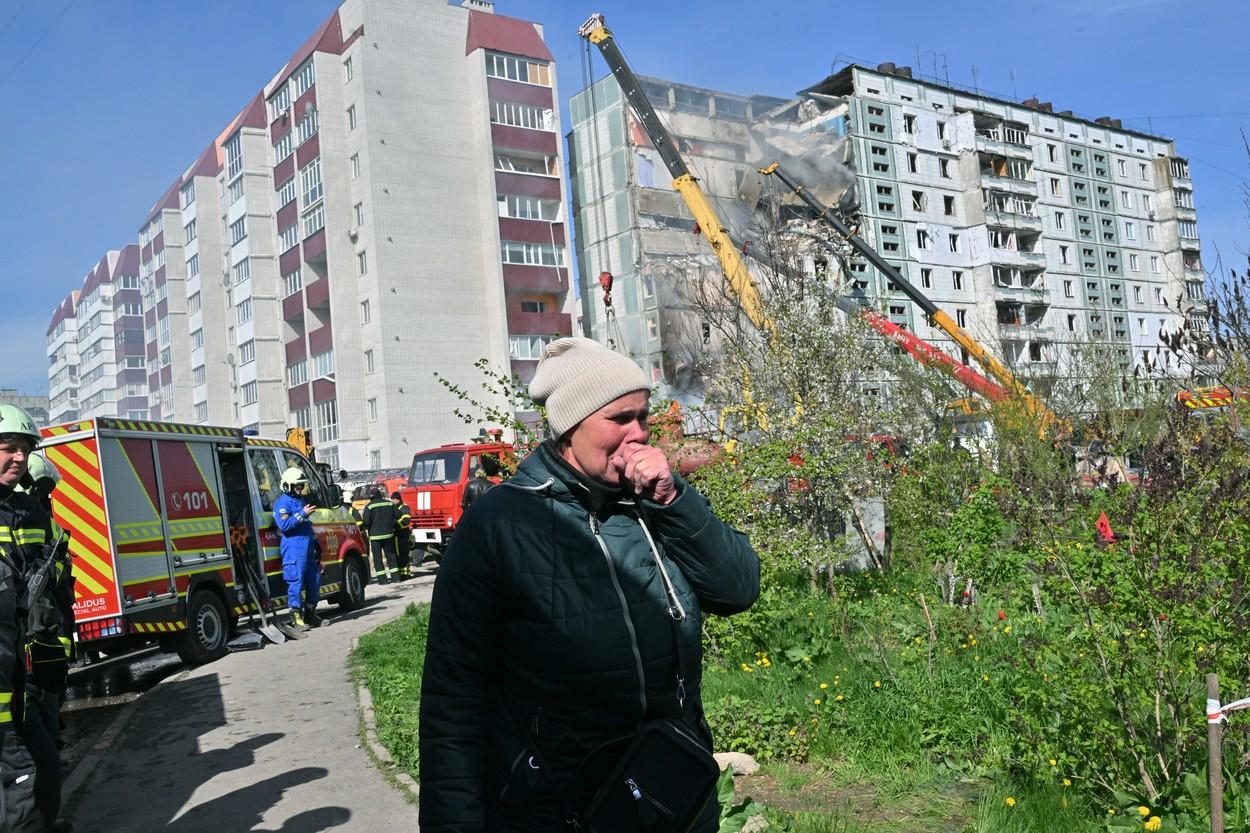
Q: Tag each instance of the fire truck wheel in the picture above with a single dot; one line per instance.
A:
(352, 596)
(207, 629)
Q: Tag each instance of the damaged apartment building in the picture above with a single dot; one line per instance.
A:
(1035, 230)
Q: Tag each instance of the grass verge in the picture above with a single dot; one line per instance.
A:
(389, 661)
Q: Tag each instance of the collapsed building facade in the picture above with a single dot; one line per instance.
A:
(1036, 230)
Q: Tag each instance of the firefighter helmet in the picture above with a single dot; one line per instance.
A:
(15, 423)
(39, 469)
(294, 480)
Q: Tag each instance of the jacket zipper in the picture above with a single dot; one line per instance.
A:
(629, 624)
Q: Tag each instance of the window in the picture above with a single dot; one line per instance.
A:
(164, 327)
(885, 198)
(961, 317)
(307, 127)
(948, 205)
(310, 178)
(283, 147)
(351, 118)
(957, 280)
(1159, 296)
(287, 238)
(1141, 171)
(1130, 231)
(193, 302)
(1141, 326)
(528, 208)
(130, 281)
(368, 361)
(197, 339)
(293, 281)
(355, 165)
(187, 194)
(242, 270)
(297, 372)
(1154, 264)
(302, 418)
(953, 240)
(922, 239)
(188, 232)
(926, 278)
(238, 230)
(243, 311)
(236, 190)
(912, 163)
(1126, 199)
(1150, 233)
(193, 266)
(941, 129)
(199, 375)
(1137, 294)
(327, 421)
(527, 347)
(1068, 292)
(314, 219)
(323, 364)
(521, 115)
(1146, 204)
(909, 124)
(944, 169)
(373, 409)
(234, 156)
(1052, 153)
(249, 393)
(533, 306)
(366, 313)
(1063, 255)
(348, 71)
(358, 211)
(517, 69)
(1072, 323)
(1055, 190)
(1187, 228)
(1122, 166)
(919, 201)
(533, 254)
(201, 412)
(362, 263)
(304, 78)
(247, 352)
(286, 192)
(1133, 263)
(1059, 220)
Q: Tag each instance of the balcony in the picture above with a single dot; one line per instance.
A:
(1010, 184)
(539, 323)
(995, 140)
(1008, 218)
(293, 307)
(1012, 331)
(534, 279)
(1022, 294)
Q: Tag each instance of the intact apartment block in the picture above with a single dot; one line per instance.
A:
(1036, 230)
(388, 206)
(95, 347)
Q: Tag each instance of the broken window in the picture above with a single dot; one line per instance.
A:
(922, 239)
(926, 278)
(944, 168)
(954, 242)
(948, 205)
(961, 317)
(957, 280)
(912, 163)
(909, 124)
(918, 201)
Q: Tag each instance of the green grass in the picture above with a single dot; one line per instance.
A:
(389, 661)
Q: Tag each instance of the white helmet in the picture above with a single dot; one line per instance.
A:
(15, 422)
(39, 469)
(294, 480)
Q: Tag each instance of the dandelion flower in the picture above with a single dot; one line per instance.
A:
(1053, 762)
(1153, 823)
(1067, 782)
(985, 678)
(747, 668)
(1111, 811)
(1010, 801)
(793, 733)
(817, 701)
(823, 686)
(839, 698)
(1143, 811)
(876, 684)
(1007, 629)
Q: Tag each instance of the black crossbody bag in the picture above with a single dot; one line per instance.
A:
(665, 776)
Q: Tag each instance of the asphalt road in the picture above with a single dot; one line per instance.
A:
(265, 740)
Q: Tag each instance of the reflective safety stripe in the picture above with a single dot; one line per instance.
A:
(6, 697)
(22, 536)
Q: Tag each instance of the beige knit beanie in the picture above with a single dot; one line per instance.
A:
(578, 376)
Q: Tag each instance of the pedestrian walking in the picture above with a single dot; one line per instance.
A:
(301, 567)
(403, 536)
(565, 631)
(25, 535)
(49, 647)
(379, 520)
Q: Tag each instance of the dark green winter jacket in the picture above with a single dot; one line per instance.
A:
(550, 627)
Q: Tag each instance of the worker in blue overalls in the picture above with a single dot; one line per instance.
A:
(301, 568)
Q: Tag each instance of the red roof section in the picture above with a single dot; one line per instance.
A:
(329, 38)
(99, 275)
(66, 309)
(505, 34)
(168, 200)
(128, 263)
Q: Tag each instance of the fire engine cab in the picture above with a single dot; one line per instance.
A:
(436, 486)
(162, 516)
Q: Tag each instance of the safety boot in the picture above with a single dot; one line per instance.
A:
(297, 620)
(311, 617)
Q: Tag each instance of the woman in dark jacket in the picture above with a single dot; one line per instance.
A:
(552, 630)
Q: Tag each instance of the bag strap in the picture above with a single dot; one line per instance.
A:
(545, 772)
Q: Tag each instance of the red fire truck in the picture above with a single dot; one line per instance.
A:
(436, 486)
(163, 516)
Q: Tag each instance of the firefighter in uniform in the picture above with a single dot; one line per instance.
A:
(24, 537)
(380, 518)
(49, 646)
(300, 560)
(403, 535)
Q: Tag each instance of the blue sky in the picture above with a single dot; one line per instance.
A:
(105, 103)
